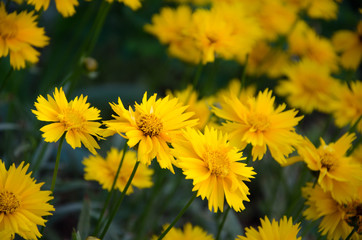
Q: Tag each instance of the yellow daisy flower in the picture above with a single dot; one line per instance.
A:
(104, 171)
(309, 86)
(338, 174)
(201, 107)
(189, 233)
(347, 109)
(64, 7)
(228, 31)
(349, 44)
(213, 165)
(22, 204)
(172, 26)
(18, 37)
(305, 43)
(259, 123)
(324, 9)
(336, 217)
(75, 118)
(275, 230)
(151, 126)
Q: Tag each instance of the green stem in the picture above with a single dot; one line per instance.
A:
(351, 234)
(222, 223)
(6, 78)
(115, 209)
(177, 217)
(243, 74)
(57, 160)
(110, 193)
(197, 75)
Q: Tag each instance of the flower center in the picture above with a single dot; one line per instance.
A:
(71, 119)
(149, 124)
(217, 161)
(258, 122)
(353, 215)
(8, 29)
(328, 160)
(8, 202)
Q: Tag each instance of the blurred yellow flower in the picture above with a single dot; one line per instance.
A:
(18, 37)
(259, 123)
(22, 204)
(305, 43)
(226, 31)
(171, 26)
(64, 7)
(349, 44)
(201, 107)
(189, 233)
(75, 118)
(324, 9)
(338, 174)
(335, 216)
(213, 165)
(347, 109)
(309, 86)
(104, 171)
(151, 126)
(275, 230)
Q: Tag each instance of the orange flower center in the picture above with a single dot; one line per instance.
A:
(71, 119)
(328, 160)
(217, 161)
(8, 29)
(8, 202)
(149, 124)
(258, 122)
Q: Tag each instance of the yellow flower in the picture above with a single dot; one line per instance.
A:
(276, 18)
(349, 44)
(234, 88)
(335, 216)
(338, 174)
(151, 126)
(305, 43)
(347, 109)
(75, 118)
(264, 59)
(171, 27)
(18, 37)
(283, 229)
(104, 171)
(64, 7)
(259, 123)
(325, 9)
(213, 165)
(309, 86)
(189, 233)
(22, 204)
(226, 30)
(201, 108)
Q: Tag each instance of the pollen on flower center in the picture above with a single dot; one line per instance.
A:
(149, 124)
(8, 202)
(217, 161)
(328, 160)
(71, 119)
(258, 122)
(8, 29)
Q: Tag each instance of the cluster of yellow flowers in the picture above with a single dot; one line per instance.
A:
(208, 138)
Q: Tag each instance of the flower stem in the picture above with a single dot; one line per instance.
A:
(115, 209)
(222, 223)
(6, 78)
(111, 192)
(351, 234)
(243, 74)
(197, 75)
(178, 217)
(57, 160)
